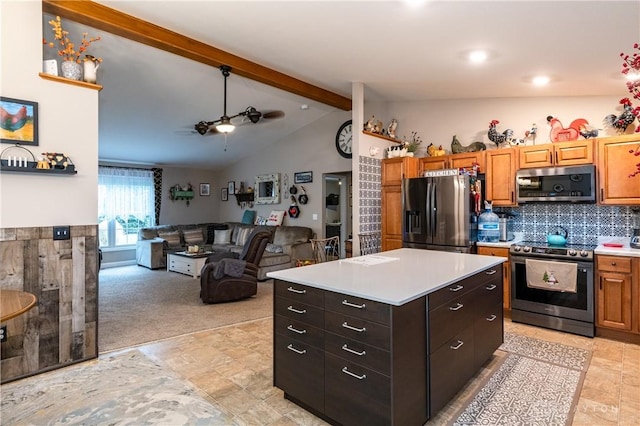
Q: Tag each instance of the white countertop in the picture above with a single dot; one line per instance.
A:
(625, 250)
(394, 277)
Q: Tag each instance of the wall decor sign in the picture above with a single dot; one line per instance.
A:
(18, 121)
(205, 189)
(303, 177)
(224, 194)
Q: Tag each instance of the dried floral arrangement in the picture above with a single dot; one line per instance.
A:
(631, 64)
(66, 49)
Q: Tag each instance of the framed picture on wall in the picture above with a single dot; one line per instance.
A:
(19, 121)
(231, 187)
(303, 177)
(205, 189)
(224, 194)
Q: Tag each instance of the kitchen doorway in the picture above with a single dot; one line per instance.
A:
(337, 216)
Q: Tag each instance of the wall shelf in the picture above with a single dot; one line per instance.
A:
(244, 199)
(387, 138)
(71, 82)
(31, 168)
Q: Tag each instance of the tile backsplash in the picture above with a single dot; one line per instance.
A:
(583, 222)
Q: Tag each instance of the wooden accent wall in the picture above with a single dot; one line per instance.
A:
(62, 328)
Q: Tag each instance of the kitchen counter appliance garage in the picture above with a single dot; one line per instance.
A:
(553, 286)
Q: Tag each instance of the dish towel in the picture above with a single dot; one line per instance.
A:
(231, 267)
(555, 276)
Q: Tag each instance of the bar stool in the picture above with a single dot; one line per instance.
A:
(369, 243)
(325, 249)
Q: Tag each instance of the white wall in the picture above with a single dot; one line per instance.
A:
(68, 118)
(201, 209)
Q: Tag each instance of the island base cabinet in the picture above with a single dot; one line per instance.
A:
(300, 371)
(356, 395)
(488, 334)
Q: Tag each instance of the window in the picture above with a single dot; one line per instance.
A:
(125, 204)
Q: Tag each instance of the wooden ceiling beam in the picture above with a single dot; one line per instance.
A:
(107, 19)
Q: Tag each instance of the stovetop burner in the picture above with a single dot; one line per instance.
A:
(537, 249)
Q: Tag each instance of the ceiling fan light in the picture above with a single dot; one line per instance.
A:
(225, 125)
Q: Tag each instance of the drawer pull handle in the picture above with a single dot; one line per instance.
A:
(491, 272)
(353, 305)
(297, 311)
(298, 351)
(492, 318)
(346, 371)
(491, 287)
(458, 346)
(348, 349)
(295, 330)
(456, 288)
(293, 290)
(457, 307)
(350, 327)
(613, 263)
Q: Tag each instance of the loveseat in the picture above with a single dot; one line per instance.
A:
(286, 245)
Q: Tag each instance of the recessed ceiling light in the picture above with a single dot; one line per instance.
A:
(541, 80)
(633, 76)
(415, 3)
(478, 56)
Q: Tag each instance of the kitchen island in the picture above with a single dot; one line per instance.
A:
(388, 338)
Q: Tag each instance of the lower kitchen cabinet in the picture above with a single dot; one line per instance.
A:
(618, 293)
(506, 271)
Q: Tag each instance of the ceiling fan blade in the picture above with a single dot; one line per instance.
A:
(273, 114)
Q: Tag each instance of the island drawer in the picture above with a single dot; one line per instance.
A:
(359, 353)
(367, 332)
(450, 319)
(311, 315)
(299, 330)
(356, 395)
(450, 292)
(358, 307)
(299, 371)
(614, 264)
(489, 293)
(299, 292)
(488, 333)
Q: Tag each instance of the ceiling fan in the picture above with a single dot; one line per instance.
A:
(224, 124)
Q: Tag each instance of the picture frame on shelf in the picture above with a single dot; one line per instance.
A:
(22, 118)
(231, 187)
(205, 190)
(224, 194)
(303, 177)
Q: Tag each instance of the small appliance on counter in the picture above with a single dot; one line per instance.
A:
(635, 240)
(506, 227)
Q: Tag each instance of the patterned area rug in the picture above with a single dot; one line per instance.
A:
(124, 389)
(538, 383)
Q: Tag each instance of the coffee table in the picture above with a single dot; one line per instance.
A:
(187, 263)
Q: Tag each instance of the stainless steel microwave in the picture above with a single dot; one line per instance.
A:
(576, 184)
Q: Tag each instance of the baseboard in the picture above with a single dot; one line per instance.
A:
(117, 264)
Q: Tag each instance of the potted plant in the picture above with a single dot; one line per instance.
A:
(412, 144)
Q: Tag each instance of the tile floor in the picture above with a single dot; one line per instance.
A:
(233, 367)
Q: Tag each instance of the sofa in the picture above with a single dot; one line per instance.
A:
(287, 244)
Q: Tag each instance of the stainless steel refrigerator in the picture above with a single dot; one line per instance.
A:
(437, 213)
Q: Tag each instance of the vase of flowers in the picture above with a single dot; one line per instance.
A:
(71, 64)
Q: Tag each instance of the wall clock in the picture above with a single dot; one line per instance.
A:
(344, 139)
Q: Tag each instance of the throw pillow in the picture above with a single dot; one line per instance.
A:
(222, 236)
(275, 218)
(248, 216)
(273, 248)
(193, 236)
(243, 236)
(212, 227)
(172, 238)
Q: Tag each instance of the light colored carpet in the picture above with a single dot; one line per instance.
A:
(538, 383)
(125, 389)
(138, 305)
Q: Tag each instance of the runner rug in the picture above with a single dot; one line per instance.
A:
(538, 383)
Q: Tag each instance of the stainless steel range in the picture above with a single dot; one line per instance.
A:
(553, 286)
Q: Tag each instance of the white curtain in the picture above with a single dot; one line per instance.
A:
(123, 192)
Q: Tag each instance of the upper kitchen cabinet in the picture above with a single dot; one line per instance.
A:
(615, 163)
(464, 160)
(393, 171)
(556, 154)
(501, 176)
(396, 169)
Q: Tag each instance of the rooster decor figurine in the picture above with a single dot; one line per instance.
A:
(562, 134)
(457, 147)
(624, 120)
(499, 138)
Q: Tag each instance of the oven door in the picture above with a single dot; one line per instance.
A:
(578, 305)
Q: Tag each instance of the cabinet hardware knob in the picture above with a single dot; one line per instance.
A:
(491, 287)
(293, 290)
(297, 311)
(348, 349)
(457, 307)
(295, 330)
(456, 288)
(458, 346)
(613, 263)
(492, 318)
(346, 371)
(298, 351)
(350, 327)
(353, 305)
(491, 272)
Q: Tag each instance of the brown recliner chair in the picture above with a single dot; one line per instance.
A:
(227, 288)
